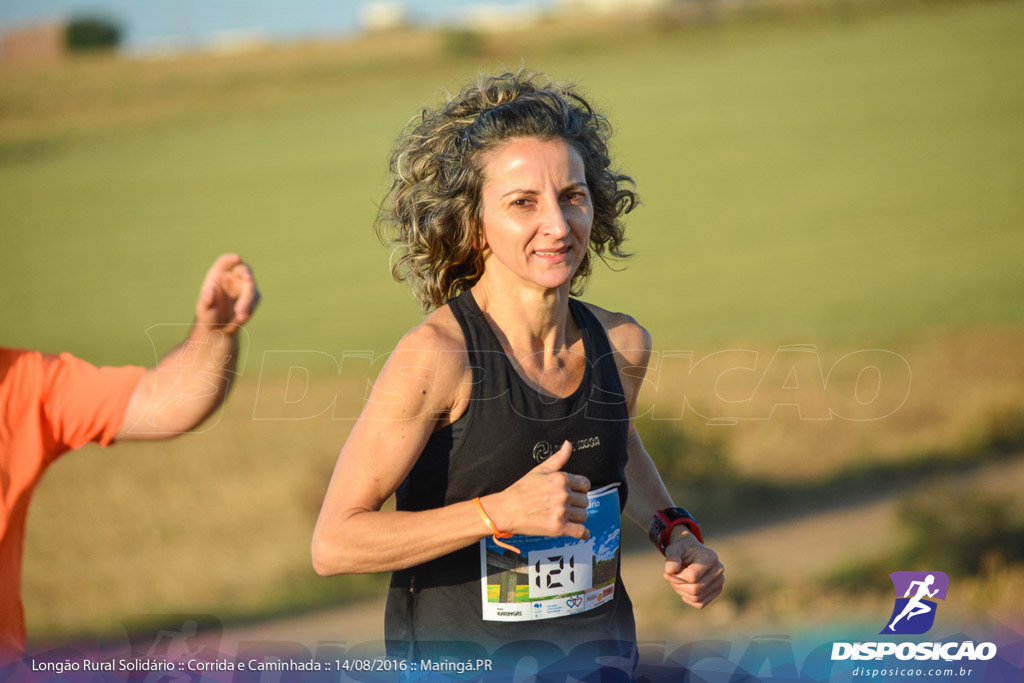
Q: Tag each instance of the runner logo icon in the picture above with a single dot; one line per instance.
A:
(916, 595)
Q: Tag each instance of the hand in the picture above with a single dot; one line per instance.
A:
(229, 295)
(545, 502)
(694, 571)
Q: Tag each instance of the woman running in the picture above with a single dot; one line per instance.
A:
(504, 421)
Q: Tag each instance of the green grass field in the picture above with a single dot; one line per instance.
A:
(852, 180)
(826, 180)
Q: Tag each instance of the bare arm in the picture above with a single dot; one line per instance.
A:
(192, 380)
(691, 568)
(422, 382)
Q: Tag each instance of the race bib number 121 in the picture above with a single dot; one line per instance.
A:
(554, 576)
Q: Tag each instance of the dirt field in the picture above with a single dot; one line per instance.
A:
(784, 555)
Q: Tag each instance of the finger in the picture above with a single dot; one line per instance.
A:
(246, 294)
(579, 501)
(698, 572)
(557, 460)
(242, 271)
(700, 603)
(256, 296)
(711, 598)
(695, 595)
(673, 560)
(704, 596)
(225, 262)
(698, 594)
(255, 300)
(577, 531)
(712, 589)
(208, 292)
(717, 574)
(576, 515)
(207, 296)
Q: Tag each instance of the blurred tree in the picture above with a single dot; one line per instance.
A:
(961, 532)
(463, 43)
(684, 458)
(92, 33)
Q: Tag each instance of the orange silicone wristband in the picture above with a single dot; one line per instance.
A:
(496, 535)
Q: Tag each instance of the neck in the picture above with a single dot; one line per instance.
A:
(529, 321)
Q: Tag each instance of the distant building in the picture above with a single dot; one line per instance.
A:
(238, 41)
(42, 44)
(383, 15)
(612, 6)
(494, 18)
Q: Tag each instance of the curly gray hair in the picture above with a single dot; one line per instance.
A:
(431, 215)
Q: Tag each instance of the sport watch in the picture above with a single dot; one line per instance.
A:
(665, 520)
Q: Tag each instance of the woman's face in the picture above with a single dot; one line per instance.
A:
(537, 212)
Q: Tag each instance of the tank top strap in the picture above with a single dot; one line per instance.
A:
(606, 384)
(593, 330)
(482, 345)
(471, 320)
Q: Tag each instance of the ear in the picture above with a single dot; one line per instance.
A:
(480, 240)
(479, 250)
(480, 246)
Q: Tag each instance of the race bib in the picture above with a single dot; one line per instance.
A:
(554, 576)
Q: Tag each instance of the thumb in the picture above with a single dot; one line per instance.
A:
(557, 460)
(673, 559)
(207, 295)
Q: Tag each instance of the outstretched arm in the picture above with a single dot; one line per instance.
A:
(192, 380)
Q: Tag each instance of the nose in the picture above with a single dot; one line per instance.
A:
(555, 222)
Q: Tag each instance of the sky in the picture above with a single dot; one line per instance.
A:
(159, 24)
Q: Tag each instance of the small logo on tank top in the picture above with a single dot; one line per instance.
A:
(542, 450)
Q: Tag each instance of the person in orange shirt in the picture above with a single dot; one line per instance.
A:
(51, 404)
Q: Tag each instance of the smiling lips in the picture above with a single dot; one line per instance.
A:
(553, 253)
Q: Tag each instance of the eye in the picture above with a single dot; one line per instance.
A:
(522, 202)
(576, 196)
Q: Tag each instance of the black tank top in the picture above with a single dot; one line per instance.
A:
(508, 428)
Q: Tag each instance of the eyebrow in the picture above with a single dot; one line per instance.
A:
(571, 186)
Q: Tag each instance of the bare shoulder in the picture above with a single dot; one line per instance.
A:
(629, 339)
(436, 348)
(631, 345)
(438, 333)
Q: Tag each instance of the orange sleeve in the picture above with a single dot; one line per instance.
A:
(84, 403)
(48, 406)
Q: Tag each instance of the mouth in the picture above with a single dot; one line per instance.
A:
(554, 254)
